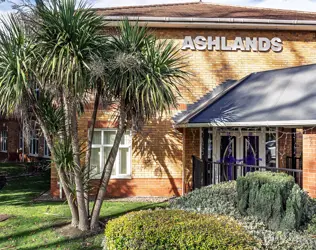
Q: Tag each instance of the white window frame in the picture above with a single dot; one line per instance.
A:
(33, 138)
(21, 140)
(4, 141)
(46, 152)
(116, 164)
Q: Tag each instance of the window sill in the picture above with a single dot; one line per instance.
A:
(34, 155)
(4, 151)
(126, 177)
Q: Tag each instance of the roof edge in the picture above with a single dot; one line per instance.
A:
(230, 23)
(185, 119)
(197, 2)
(296, 123)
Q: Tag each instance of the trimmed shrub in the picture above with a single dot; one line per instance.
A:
(274, 198)
(175, 229)
(215, 199)
(220, 199)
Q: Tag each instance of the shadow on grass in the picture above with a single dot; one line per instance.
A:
(21, 190)
(68, 240)
(145, 207)
(33, 231)
(61, 242)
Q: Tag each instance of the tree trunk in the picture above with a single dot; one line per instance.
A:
(61, 173)
(70, 198)
(90, 138)
(106, 174)
(83, 216)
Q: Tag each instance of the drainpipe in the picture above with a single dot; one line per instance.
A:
(183, 161)
(293, 148)
(23, 154)
(60, 190)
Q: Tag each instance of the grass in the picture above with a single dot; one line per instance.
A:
(34, 225)
(12, 169)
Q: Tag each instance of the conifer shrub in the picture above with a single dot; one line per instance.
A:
(274, 198)
(175, 229)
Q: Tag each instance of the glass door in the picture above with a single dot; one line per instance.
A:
(251, 152)
(236, 147)
(228, 157)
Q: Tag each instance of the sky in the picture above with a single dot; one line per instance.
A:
(304, 5)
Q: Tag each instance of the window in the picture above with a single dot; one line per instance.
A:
(4, 140)
(46, 149)
(34, 142)
(101, 146)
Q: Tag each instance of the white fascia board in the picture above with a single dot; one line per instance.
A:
(294, 123)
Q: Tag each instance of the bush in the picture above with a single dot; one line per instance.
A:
(215, 199)
(277, 240)
(175, 229)
(274, 198)
(220, 199)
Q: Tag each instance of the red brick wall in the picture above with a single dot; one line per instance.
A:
(12, 127)
(161, 187)
(309, 162)
(158, 152)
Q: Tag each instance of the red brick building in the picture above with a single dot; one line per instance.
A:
(249, 101)
(16, 146)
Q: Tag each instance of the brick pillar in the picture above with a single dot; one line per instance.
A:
(284, 145)
(309, 162)
(13, 140)
(191, 147)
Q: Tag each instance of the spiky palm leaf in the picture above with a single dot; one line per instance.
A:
(16, 57)
(69, 38)
(145, 72)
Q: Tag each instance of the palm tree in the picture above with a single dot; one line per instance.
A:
(70, 39)
(144, 78)
(52, 50)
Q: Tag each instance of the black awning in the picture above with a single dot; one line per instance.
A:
(276, 97)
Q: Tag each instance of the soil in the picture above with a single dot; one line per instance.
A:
(4, 217)
(71, 232)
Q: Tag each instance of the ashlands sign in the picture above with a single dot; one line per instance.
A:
(244, 44)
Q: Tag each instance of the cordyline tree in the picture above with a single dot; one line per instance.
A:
(57, 56)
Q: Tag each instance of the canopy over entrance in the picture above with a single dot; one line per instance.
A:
(283, 97)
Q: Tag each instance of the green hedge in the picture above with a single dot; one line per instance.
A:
(273, 198)
(175, 229)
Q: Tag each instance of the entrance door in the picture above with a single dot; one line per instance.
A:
(234, 147)
(251, 152)
(228, 157)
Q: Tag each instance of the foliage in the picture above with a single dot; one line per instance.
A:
(175, 229)
(47, 58)
(277, 240)
(221, 199)
(144, 73)
(217, 199)
(144, 76)
(274, 198)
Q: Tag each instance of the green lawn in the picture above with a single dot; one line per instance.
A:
(12, 169)
(35, 225)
